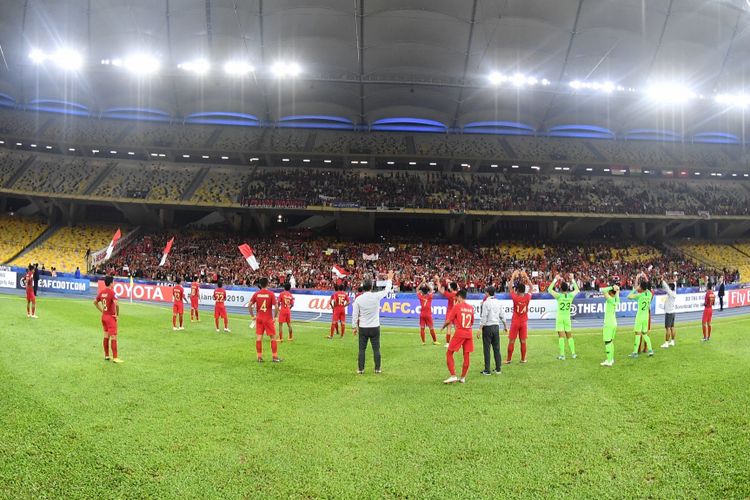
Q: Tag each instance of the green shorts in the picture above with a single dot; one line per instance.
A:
(563, 325)
(609, 332)
(641, 324)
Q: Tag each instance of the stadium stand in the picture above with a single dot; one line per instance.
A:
(153, 181)
(310, 258)
(221, 186)
(718, 255)
(55, 174)
(66, 248)
(17, 233)
(9, 162)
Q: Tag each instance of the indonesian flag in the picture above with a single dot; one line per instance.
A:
(247, 252)
(166, 252)
(339, 271)
(111, 246)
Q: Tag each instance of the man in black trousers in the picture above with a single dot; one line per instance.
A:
(721, 294)
(492, 316)
(366, 321)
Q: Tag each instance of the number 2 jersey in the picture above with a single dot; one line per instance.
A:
(462, 317)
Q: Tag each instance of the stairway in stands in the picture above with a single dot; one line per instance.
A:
(38, 241)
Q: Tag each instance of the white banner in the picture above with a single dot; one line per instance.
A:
(685, 302)
(7, 279)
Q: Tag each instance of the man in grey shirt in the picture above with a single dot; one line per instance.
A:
(366, 321)
(669, 312)
(492, 316)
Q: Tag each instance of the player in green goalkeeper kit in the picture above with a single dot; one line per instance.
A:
(563, 325)
(643, 295)
(612, 298)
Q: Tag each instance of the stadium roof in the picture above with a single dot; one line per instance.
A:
(365, 60)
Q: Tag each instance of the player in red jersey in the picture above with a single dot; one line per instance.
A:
(178, 308)
(519, 323)
(195, 295)
(220, 309)
(106, 303)
(462, 317)
(450, 294)
(708, 311)
(267, 309)
(286, 302)
(424, 294)
(339, 301)
(30, 295)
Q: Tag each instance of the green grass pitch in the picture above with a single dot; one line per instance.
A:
(191, 414)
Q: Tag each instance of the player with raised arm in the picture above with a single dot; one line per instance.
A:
(267, 310)
(708, 311)
(643, 295)
(106, 303)
(195, 297)
(563, 325)
(178, 308)
(519, 280)
(611, 299)
(338, 302)
(30, 295)
(424, 294)
(669, 312)
(450, 294)
(220, 308)
(286, 302)
(462, 317)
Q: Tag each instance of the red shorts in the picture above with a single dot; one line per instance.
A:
(708, 314)
(109, 323)
(194, 302)
(178, 308)
(285, 316)
(339, 315)
(30, 295)
(265, 326)
(518, 330)
(425, 321)
(220, 312)
(457, 343)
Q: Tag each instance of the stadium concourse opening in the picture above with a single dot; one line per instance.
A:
(406, 233)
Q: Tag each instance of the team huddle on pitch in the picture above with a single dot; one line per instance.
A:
(266, 310)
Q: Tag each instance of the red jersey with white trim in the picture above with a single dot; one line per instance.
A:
(339, 300)
(286, 301)
(220, 296)
(264, 300)
(425, 302)
(29, 281)
(710, 300)
(451, 296)
(178, 293)
(195, 289)
(520, 307)
(108, 301)
(462, 317)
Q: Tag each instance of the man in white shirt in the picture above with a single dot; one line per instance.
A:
(492, 316)
(366, 320)
(669, 312)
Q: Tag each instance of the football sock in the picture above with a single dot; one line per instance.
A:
(216, 320)
(259, 347)
(561, 345)
(609, 348)
(636, 343)
(447, 338)
(113, 343)
(523, 351)
(451, 363)
(333, 327)
(709, 331)
(290, 334)
(465, 367)
(226, 322)
(432, 333)
(421, 334)
(343, 329)
(105, 343)
(647, 338)
(33, 308)
(511, 347)
(196, 314)
(274, 348)
(180, 320)
(174, 320)
(572, 345)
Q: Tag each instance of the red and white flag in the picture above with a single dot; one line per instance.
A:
(111, 246)
(247, 252)
(340, 272)
(167, 249)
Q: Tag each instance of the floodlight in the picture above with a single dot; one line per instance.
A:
(224, 157)
(433, 164)
(497, 78)
(186, 156)
(670, 93)
(324, 161)
(198, 66)
(282, 69)
(237, 68)
(414, 163)
(67, 59)
(141, 64)
(37, 56)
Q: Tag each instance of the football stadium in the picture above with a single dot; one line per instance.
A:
(374, 249)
